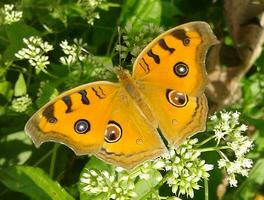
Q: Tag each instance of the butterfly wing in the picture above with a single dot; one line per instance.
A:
(176, 59)
(129, 139)
(87, 119)
(179, 115)
(170, 72)
(76, 118)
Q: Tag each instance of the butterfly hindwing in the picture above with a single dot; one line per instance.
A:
(136, 139)
(179, 115)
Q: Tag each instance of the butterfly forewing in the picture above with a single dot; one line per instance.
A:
(176, 59)
(76, 118)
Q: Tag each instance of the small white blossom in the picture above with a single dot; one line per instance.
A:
(229, 131)
(90, 7)
(232, 181)
(225, 116)
(186, 167)
(95, 182)
(221, 163)
(73, 52)
(35, 52)
(213, 117)
(20, 104)
(8, 15)
(243, 128)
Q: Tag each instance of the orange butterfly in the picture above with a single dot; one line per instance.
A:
(118, 121)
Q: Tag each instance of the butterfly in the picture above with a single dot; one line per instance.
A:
(119, 122)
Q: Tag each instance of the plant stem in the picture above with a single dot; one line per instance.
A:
(222, 154)
(213, 148)
(49, 74)
(205, 141)
(164, 179)
(53, 159)
(109, 52)
(29, 76)
(43, 158)
(206, 190)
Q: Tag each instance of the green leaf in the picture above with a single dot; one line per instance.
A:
(6, 91)
(15, 33)
(144, 187)
(47, 93)
(138, 13)
(15, 156)
(169, 12)
(20, 86)
(95, 163)
(33, 182)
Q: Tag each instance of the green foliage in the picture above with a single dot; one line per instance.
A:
(33, 182)
(78, 42)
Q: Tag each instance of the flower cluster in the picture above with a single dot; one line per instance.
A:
(115, 187)
(90, 7)
(20, 104)
(185, 167)
(35, 52)
(8, 15)
(101, 72)
(228, 131)
(136, 39)
(74, 52)
(182, 168)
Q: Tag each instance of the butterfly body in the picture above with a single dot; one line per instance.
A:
(118, 121)
(132, 89)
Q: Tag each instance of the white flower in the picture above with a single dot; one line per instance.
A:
(8, 15)
(228, 130)
(186, 167)
(232, 181)
(243, 128)
(73, 52)
(208, 167)
(213, 117)
(35, 52)
(236, 115)
(20, 104)
(221, 163)
(96, 182)
(225, 116)
(90, 7)
(159, 164)
(247, 163)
